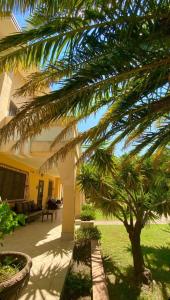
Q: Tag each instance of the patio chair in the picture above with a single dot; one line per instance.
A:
(50, 210)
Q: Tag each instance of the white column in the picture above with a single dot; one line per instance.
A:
(5, 93)
(67, 170)
(78, 203)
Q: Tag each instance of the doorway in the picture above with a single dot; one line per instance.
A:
(50, 189)
(40, 193)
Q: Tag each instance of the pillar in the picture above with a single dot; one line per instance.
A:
(67, 170)
(5, 93)
(57, 191)
(78, 203)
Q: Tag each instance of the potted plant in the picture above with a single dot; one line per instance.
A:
(14, 266)
(87, 216)
(84, 235)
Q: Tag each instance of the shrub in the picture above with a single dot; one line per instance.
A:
(79, 283)
(85, 234)
(87, 213)
(82, 253)
(87, 206)
(9, 220)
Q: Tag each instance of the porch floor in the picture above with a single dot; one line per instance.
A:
(50, 255)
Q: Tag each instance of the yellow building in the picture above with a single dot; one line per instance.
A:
(20, 177)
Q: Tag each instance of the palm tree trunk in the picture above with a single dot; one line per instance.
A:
(142, 275)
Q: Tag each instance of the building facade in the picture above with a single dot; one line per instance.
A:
(20, 176)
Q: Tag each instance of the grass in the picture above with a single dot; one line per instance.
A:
(118, 262)
(100, 217)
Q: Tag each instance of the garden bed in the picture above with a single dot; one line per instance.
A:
(78, 284)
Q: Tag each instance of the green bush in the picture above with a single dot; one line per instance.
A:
(9, 220)
(78, 284)
(87, 213)
(87, 206)
(85, 234)
(82, 253)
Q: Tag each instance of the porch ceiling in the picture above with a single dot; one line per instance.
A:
(35, 162)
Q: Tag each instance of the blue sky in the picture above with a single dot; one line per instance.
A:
(21, 19)
(91, 121)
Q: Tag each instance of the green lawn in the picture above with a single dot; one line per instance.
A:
(118, 262)
(101, 217)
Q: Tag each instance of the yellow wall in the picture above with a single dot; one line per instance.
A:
(18, 81)
(33, 178)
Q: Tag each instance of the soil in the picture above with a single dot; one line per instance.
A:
(78, 284)
(9, 266)
(6, 272)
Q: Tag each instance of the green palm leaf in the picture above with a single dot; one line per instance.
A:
(116, 58)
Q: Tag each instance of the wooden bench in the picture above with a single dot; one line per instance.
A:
(33, 215)
(18, 206)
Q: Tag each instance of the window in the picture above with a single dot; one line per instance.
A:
(12, 184)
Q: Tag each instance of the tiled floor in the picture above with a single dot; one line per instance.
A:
(51, 257)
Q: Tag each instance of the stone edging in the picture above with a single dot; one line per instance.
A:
(100, 291)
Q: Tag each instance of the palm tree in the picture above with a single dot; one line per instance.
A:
(133, 192)
(112, 55)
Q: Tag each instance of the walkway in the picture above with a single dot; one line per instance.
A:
(162, 220)
(50, 255)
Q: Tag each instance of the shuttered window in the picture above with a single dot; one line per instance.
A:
(12, 184)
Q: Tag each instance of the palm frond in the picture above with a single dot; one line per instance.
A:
(116, 58)
(31, 5)
(63, 151)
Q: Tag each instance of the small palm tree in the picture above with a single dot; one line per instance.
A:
(103, 54)
(134, 193)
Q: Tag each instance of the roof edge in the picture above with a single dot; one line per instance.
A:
(15, 22)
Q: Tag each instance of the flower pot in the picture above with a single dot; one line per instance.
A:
(78, 222)
(87, 224)
(11, 289)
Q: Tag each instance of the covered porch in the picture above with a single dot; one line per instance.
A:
(30, 157)
(50, 255)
